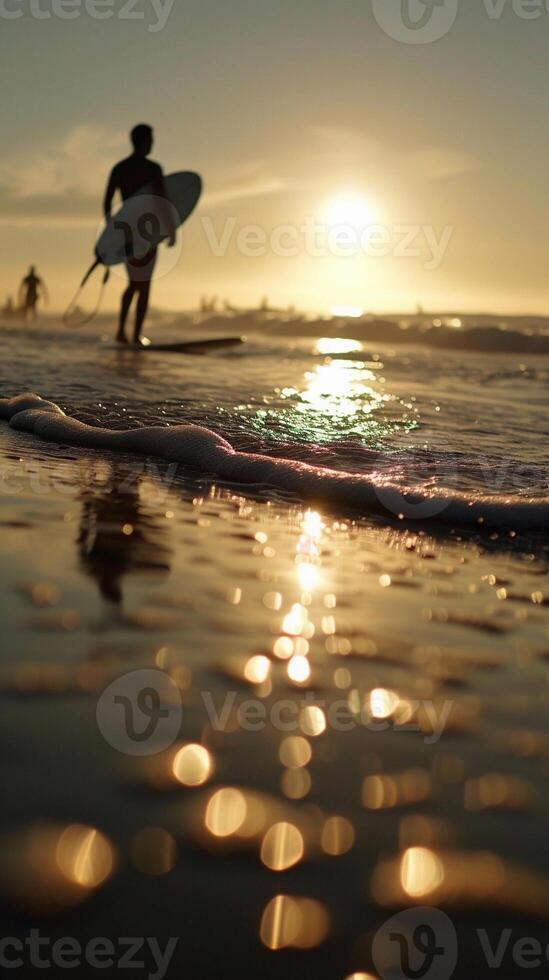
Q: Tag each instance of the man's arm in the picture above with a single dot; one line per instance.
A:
(162, 190)
(112, 188)
(45, 294)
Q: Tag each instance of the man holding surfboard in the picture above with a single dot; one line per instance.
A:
(131, 177)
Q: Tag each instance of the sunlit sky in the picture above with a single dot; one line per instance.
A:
(292, 110)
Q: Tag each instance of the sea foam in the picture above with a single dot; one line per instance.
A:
(204, 450)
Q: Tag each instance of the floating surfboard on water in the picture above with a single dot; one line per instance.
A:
(140, 225)
(185, 347)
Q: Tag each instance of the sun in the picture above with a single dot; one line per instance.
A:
(352, 211)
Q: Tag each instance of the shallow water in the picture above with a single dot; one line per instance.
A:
(469, 421)
(433, 647)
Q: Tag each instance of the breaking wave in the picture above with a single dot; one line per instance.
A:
(208, 452)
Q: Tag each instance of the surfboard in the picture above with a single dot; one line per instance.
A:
(144, 221)
(185, 347)
(140, 225)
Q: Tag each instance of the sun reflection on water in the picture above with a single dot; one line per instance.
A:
(192, 765)
(84, 856)
(421, 871)
(296, 605)
(282, 847)
(291, 922)
(226, 812)
(339, 397)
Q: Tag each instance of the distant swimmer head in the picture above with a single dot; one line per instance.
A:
(142, 137)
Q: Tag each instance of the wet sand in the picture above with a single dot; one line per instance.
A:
(399, 748)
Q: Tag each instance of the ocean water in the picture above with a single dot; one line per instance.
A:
(469, 422)
(289, 849)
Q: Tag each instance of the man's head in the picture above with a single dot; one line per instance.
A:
(142, 139)
(32, 270)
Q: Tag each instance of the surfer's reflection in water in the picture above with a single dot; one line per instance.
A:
(132, 175)
(120, 533)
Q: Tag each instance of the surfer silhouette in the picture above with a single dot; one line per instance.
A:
(130, 177)
(31, 290)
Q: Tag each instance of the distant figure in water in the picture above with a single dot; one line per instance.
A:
(31, 290)
(129, 177)
(9, 310)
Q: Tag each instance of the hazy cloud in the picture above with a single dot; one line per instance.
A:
(434, 162)
(340, 145)
(60, 183)
(431, 162)
(78, 165)
(243, 191)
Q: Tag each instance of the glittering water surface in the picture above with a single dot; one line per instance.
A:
(361, 709)
(471, 421)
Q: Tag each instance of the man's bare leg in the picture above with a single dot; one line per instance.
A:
(142, 307)
(146, 272)
(124, 310)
